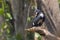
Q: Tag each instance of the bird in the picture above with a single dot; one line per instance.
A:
(39, 18)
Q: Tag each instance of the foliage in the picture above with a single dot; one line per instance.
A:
(6, 26)
(59, 1)
(19, 37)
(28, 19)
(38, 36)
(30, 35)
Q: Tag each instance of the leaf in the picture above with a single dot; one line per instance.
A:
(0, 33)
(28, 19)
(19, 36)
(1, 30)
(59, 1)
(8, 31)
(9, 15)
(1, 11)
(38, 36)
(5, 26)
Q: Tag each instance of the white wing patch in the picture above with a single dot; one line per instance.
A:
(41, 14)
(33, 24)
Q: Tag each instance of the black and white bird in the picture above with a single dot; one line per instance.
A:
(39, 18)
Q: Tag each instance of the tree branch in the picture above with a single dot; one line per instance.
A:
(42, 32)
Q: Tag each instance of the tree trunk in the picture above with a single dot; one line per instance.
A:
(19, 8)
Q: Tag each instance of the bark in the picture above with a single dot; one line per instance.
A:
(17, 6)
(51, 10)
(54, 9)
(20, 13)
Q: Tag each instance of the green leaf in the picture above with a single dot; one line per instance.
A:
(38, 36)
(1, 11)
(58, 1)
(8, 31)
(19, 36)
(0, 33)
(9, 16)
(1, 30)
(28, 19)
(4, 25)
